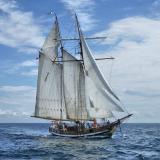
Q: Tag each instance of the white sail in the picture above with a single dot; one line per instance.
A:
(100, 99)
(96, 103)
(51, 43)
(74, 87)
(49, 98)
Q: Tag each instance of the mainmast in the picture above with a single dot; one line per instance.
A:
(81, 53)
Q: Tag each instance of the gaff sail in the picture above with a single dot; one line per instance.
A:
(74, 87)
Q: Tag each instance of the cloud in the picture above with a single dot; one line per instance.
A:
(155, 6)
(17, 104)
(32, 72)
(21, 95)
(12, 89)
(18, 29)
(27, 67)
(84, 10)
(134, 42)
(12, 113)
(28, 63)
(17, 100)
(152, 94)
(132, 29)
(28, 49)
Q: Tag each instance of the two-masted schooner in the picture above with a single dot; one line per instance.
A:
(72, 92)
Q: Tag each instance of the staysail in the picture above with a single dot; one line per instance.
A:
(74, 87)
(100, 99)
(49, 98)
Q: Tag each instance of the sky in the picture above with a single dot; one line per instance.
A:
(133, 39)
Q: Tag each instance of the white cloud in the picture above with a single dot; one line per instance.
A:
(32, 72)
(12, 113)
(17, 100)
(18, 29)
(134, 42)
(132, 29)
(84, 9)
(27, 67)
(155, 8)
(28, 63)
(16, 88)
(28, 50)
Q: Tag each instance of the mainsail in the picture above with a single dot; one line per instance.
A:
(74, 87)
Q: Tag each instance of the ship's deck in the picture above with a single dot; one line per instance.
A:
(81, 130)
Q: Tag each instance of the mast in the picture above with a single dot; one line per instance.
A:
(61, 48)
(81, 53)
(59, 33)
(79, 34)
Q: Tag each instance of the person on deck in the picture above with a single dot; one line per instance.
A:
(94, 123)
(108, 122)
(64, 127)
(88, 125)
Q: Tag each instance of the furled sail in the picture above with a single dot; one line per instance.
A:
(100, 99)
(74, 87)
(49, 98)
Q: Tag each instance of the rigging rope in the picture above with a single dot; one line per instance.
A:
(110, 73)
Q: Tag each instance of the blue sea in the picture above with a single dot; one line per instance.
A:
(32, 141)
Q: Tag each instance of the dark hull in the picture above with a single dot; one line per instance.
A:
(98, 134)
(105, 131)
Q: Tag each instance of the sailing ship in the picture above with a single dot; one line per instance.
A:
(72, 92)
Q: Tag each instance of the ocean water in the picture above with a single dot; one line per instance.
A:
(32, 141)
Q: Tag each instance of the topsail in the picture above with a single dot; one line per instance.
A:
(51, 44)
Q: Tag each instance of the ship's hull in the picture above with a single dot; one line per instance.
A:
(99, 134)
(105, 131)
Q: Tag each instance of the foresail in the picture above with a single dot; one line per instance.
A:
(101, 100)
(49, 98)
(49, 101)
(51, 43)
(74, 87)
